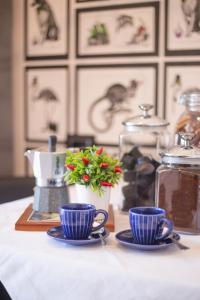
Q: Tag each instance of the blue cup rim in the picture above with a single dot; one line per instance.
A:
(160, 211)
(78, 207)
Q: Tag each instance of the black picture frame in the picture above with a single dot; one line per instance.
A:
(79, 67)
(155, 5)
(66, 102)
(47, 56)
(178, 52)
(83, 1)
(175, 112)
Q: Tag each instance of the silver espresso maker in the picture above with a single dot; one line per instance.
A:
(48, 166)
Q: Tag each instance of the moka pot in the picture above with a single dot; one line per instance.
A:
(48, 168)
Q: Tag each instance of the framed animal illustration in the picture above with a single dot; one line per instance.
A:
(46, 29)
(79, 1)
(182, 35)
(179, 78)
(46, 103)
(106, 95)
(121, 30)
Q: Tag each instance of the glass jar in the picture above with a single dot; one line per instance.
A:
(141, 140)
(177, 185)
(189, 121)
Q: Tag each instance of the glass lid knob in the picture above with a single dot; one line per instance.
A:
(186, 138)
(145, 109)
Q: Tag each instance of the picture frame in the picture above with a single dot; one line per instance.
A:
(102, 114)
(182, 29)
(46, 102)
(179, 77)
(83, 1)
(46, 38)
(118, 30)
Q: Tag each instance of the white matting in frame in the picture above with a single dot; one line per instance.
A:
(108, 95)
(130, 29)
(46, 29)
(182, 27)
(179, 77)
(46, 102)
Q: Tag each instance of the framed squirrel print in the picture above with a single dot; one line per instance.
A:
(46, 29)
(46, 103)
(129, 29)
(109, 94)
(182, 35)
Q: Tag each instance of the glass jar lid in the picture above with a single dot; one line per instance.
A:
(190, 98)
(145, 119)
(183, 153)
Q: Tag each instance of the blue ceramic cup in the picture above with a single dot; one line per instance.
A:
(148, 223)
(77, 220)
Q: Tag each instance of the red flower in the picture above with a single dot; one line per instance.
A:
(71, 167)
(105, 183)
(117, 169)
(86, 178)
(104, 165)
(85, 161)
(99, 151)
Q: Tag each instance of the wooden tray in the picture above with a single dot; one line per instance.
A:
(31, 221)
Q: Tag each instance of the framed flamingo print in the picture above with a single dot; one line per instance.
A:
(46, 103)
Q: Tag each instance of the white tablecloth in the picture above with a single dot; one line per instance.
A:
(35, 267)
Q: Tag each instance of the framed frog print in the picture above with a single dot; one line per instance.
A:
(121, 30)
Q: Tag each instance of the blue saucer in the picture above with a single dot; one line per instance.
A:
(57, 234)
(126, 238)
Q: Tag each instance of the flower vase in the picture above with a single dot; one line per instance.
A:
(86, 195)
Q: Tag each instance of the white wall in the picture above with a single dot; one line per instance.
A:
(19, 64)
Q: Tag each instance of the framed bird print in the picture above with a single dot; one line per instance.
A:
(121, 30)
(107, 95)
(179, 78)
(182, 27)
(46, 103)
(46, 29)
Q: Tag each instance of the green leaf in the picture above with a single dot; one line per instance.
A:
(93, 169)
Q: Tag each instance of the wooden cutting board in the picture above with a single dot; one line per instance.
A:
(34, 221)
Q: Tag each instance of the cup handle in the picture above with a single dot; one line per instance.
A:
(104, 212)
(169, 225)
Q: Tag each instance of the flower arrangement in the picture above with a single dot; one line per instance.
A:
(92, 167)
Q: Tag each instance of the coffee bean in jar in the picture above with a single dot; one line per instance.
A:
(139, 177)
(140, 142)
(177, 185)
